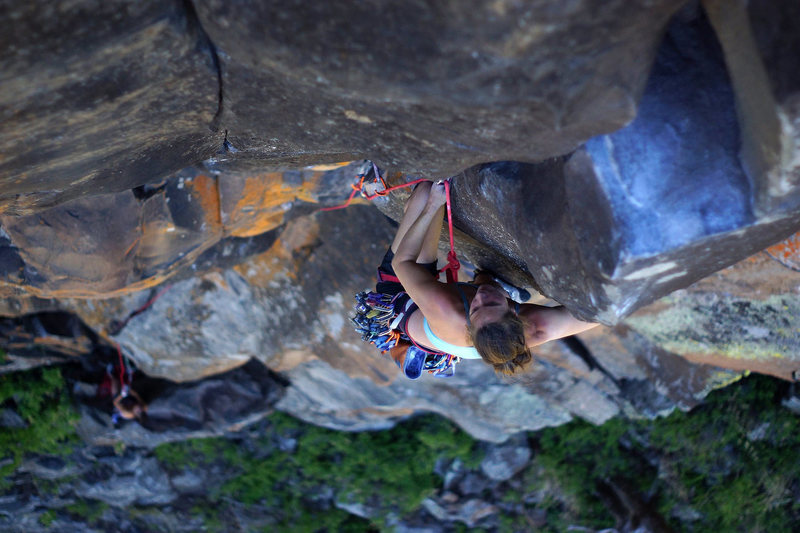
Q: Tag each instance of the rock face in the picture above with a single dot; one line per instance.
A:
(703, 176)
(746, 316)
(642, 211)
(601, 154)
(429, 89)
(136, 239)
(100, 97)
(289, 309)
(767, 93)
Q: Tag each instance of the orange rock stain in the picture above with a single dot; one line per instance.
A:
(206, 191)
(262, 269)
(787, 251)
(264, 200)
(257, 204)
(284, 257)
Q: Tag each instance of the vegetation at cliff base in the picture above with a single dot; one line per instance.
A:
(45, 416)
(730, 464)
(392, 470)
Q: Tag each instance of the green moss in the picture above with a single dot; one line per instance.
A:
(87, 510)
(192, 453)
(47, 518)
(42, 400)
(211, 518)
(576, 455)
(734, 477)
(392, 470)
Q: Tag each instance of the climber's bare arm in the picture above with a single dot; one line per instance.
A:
(543, 324)
(417, 246)
(428, 293)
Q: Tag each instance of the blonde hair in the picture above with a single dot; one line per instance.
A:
(502, 344)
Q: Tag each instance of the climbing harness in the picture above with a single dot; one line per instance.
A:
(376, 317)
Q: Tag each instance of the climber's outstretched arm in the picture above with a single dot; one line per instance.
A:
(544, 324)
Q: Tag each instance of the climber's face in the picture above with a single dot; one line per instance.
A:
(489, 305)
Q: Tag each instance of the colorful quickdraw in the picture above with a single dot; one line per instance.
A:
(374, 313)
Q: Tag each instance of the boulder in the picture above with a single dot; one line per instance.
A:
(503, 461)
(137, 481)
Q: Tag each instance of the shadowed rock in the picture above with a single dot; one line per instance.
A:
(626, 219)
(99, 97)
(758, 40)
(653, 380)
(220, 405)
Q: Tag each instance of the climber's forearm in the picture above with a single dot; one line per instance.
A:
(411, 244)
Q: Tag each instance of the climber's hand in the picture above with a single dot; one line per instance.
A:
(437, 196)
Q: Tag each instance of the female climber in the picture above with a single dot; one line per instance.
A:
(466, 320)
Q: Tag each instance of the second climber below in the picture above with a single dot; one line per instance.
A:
(468, 320)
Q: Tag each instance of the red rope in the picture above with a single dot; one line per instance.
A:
(451, 269)
(122, 367)
(150, 302)
(115, 327)
(359, 188)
